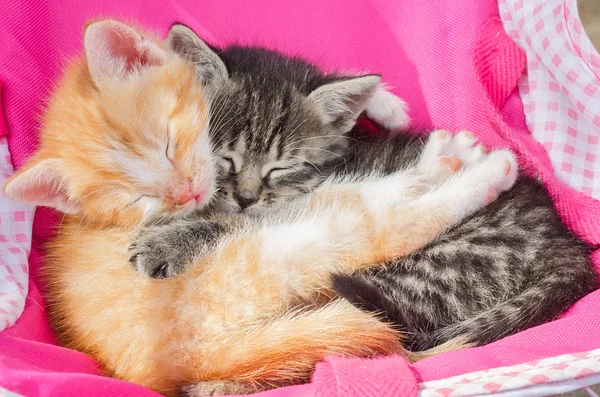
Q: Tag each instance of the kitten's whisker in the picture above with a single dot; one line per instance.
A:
(317, 137)
(309, 162)
(324, 150)
(298, 126)
(219, 115)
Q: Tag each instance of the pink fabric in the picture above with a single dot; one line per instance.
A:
(338, 377)
(425, 48)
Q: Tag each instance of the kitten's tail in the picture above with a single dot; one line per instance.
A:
(544, 301)
(370, 298)
(285, 350)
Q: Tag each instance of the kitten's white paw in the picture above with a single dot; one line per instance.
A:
(506, 162)
(433, 151)
(465, 146)
(462, 142)
(478, 184)
(444, 154)
(482, 183)
(388, 110)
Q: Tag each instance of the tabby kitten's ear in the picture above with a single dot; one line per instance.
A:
(42, 182)
(115, 50)
(341, 102)
(210, 68)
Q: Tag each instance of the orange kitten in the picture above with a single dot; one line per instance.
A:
(124, 140)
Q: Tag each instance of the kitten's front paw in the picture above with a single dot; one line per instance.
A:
(445, 154)
(166, 250)
(480, 184)
(156, 253)
(466, 174)
(498, 171)
(388, 110)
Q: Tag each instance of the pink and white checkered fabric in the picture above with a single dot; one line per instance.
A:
(560, 91)
(535, 378)
(16, 222)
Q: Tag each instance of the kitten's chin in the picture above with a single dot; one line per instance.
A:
(254, 212)
(234, 209)
(195, 206)
(155, 210)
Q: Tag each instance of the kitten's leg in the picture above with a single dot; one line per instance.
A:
(481, 178)
(403, 229)
(388, 110)
(166, 250)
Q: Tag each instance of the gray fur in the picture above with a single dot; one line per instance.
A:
(165, 250)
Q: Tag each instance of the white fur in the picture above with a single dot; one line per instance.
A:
(441, 144)
(287, 239)
(470, 190)
(481, 175)
(390, 190)
(388, 110)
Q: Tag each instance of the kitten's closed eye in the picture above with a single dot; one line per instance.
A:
(228, 163)
(276, 172)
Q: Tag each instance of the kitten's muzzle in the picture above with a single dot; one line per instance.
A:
(183, 193)
(245, 198)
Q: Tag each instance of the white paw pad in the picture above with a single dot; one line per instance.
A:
(446, 154)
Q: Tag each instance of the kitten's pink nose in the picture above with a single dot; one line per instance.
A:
(183, 193)
(184, 198)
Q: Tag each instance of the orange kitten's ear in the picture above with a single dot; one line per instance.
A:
(42, 184)
(114, 49)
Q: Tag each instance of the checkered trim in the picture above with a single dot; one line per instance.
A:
(582, 367)
(16, 222)
(560, 91)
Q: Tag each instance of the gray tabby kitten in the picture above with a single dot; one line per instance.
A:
(509, 267)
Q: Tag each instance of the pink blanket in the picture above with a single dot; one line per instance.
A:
(424, 48)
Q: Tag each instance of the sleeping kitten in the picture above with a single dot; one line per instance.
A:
(125, 140)
(511, 266)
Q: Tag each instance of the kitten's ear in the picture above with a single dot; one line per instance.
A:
(343, 101)
(210, 68)
(42, 183)
(114, 49)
